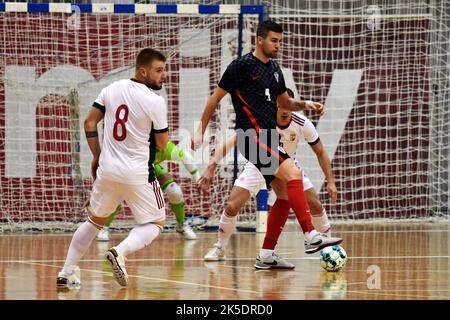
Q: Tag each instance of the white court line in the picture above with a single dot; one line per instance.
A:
(70, 234)
(156, 279)
(228, 259)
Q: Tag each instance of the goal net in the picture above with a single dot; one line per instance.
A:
(53, 66)
(381, 71)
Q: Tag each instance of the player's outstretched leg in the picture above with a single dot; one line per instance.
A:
(318, 213)
(321, 224)
(314, 241)
(138, 238)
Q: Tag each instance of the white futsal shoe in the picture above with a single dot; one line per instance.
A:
(320, 241)
(118, 266)
(69, 278)
(216, 253)
(186, 231)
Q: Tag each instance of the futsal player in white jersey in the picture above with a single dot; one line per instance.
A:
(292, 127)
(135, 126)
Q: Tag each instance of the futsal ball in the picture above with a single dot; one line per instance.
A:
(333, 258)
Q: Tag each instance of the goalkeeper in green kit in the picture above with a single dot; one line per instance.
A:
(170, 188)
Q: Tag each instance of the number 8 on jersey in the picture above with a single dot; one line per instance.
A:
(120, 122)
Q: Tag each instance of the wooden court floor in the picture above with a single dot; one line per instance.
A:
(386, 261)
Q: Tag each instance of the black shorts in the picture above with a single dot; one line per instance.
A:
(263, 150)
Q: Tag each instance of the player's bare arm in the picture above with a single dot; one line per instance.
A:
(210, 107)
(94, 116)
(325, 165)
(226, 147)
(161, 139)
(286, 102)
(207, 177)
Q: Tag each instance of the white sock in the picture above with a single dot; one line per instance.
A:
(81, 241)
(138, 238)
(310, 235)
(321, 223)
(265, 253)
(226, 228)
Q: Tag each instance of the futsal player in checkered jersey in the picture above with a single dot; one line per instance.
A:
(292, 127)
(256, 85)
(135, 126)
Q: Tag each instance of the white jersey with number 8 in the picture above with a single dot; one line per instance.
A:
(133, 113)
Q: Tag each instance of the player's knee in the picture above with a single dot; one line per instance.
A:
(97, 218)
(232, 209)
(160, 225)
(99, 221)
(174, 193)
(294, 174)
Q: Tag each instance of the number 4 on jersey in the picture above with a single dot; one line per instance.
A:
(267, 93)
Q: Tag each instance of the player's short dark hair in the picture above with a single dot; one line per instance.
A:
(266, 26)
(146, 56)
(290, 92)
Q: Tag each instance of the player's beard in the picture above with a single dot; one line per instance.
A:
(270, 54)
(152, 85)
(155, 87)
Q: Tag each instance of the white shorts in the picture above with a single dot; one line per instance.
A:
(146, 201)
(252, 180)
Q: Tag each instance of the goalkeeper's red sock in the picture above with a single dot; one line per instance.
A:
(275, 222)
(298, 203)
